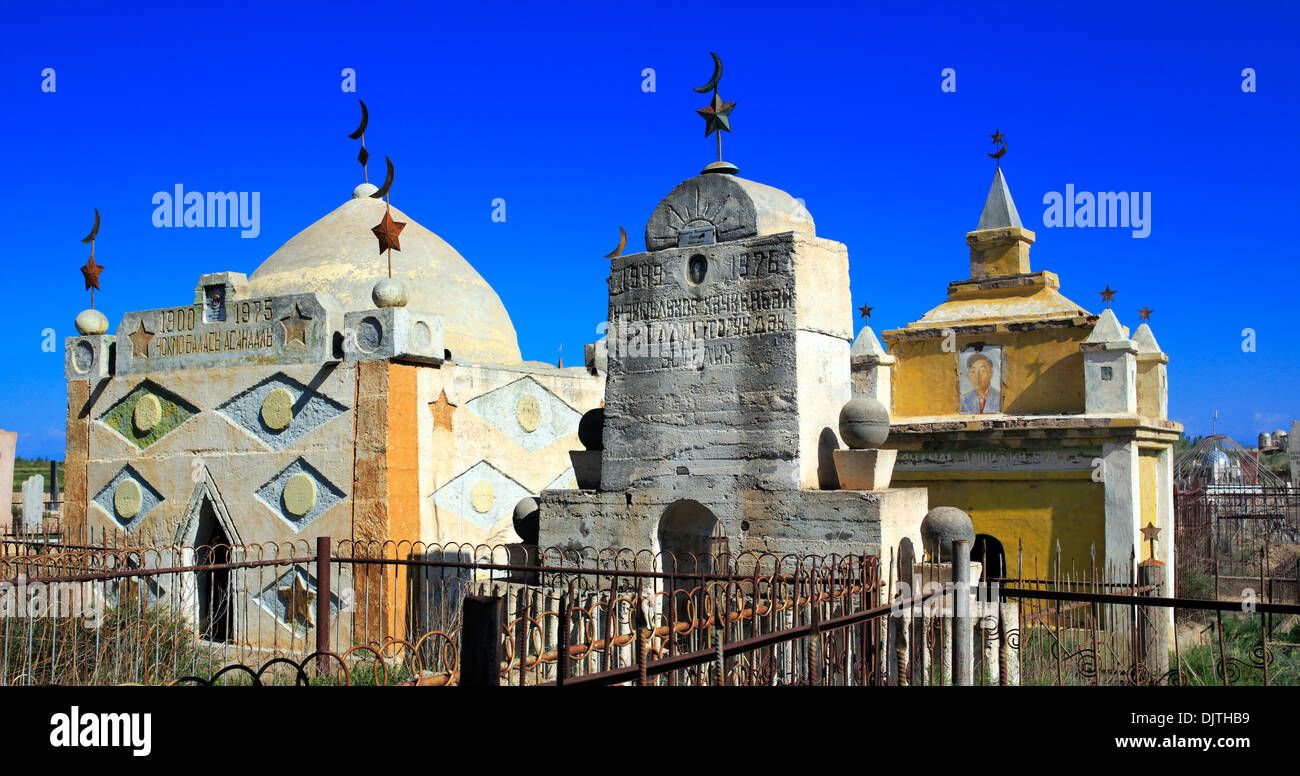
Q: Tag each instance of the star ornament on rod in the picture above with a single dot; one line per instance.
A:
(717, 117)
(388, 230)
(1145, 314)
(1107, 296)
(999, 139)
(865, 310)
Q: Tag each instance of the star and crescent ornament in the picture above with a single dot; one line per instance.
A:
(717, 115)
(998, 138)
(91, 271)
(1145, 314)
(1108, 295)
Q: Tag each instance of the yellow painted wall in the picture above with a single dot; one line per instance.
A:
(1038, 512)
(1148, 463)
(1044, 372)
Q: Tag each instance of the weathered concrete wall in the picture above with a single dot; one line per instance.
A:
(491, 436)
(186, 436)
(783, 521)
(764, 369)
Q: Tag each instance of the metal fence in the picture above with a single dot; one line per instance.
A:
(396, 613)
(1240, 533)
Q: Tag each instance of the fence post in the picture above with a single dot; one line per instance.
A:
(962, 633)
(1154, 631)
(322, 594)
(480, 641)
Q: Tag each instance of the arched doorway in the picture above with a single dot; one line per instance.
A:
(688, 548)
(212, 546)
(988, 551)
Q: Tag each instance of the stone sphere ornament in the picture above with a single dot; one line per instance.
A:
(389, 292)
(864, 423)
(91, 322)
(526, 518)
(941, 527)
(591, 429)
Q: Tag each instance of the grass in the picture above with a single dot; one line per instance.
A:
(26, 467)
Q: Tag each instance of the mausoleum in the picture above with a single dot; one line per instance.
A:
(307, 399)
(728, 360)
(1044, 422)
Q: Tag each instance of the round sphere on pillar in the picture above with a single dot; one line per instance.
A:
(526, 520)
(591, 429)
(941, 527)
(864, 423)
(389, 292)
(90, 322)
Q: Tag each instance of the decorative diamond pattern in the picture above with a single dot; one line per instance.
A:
(142, 429)
(310, 411)
(281, 599)
(483, 494)
(149, 498)
(526, 413)
(272, 493)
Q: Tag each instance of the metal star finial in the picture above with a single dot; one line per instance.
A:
(717, 117)
(388, 231)
(91, 271)
(1145, 314)
(1150, 533)
(865, 310)
(999, 138)
(1107, 296)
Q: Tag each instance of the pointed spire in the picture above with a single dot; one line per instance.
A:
(1145, 340)
(866, 344)
(999, 209)
(1108, 328)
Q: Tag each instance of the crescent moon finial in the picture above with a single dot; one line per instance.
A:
(388, 182)
(622, 243)
(717, 75)
(94, 230)
(365, 120)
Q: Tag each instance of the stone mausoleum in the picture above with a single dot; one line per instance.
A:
(288, 404)
(728, 369)
(1047, 424)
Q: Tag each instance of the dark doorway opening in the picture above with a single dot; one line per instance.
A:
(988, 551)
(212, 546)
(690, 538)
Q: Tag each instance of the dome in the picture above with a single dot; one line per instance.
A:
(730, 208)
(338, 255)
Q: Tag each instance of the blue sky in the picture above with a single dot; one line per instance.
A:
(541, 104)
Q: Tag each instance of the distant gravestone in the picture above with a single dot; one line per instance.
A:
(33, 502)
(8, 443)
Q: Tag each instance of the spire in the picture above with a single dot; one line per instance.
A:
(999, 209)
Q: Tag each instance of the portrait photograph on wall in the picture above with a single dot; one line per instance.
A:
(980, 380)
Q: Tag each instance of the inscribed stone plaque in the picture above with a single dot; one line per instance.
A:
(268, 330)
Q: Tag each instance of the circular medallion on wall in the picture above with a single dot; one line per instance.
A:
(529, 413)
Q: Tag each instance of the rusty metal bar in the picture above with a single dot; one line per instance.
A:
(322, 594)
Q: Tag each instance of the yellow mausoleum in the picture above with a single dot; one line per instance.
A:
(1047, 424)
